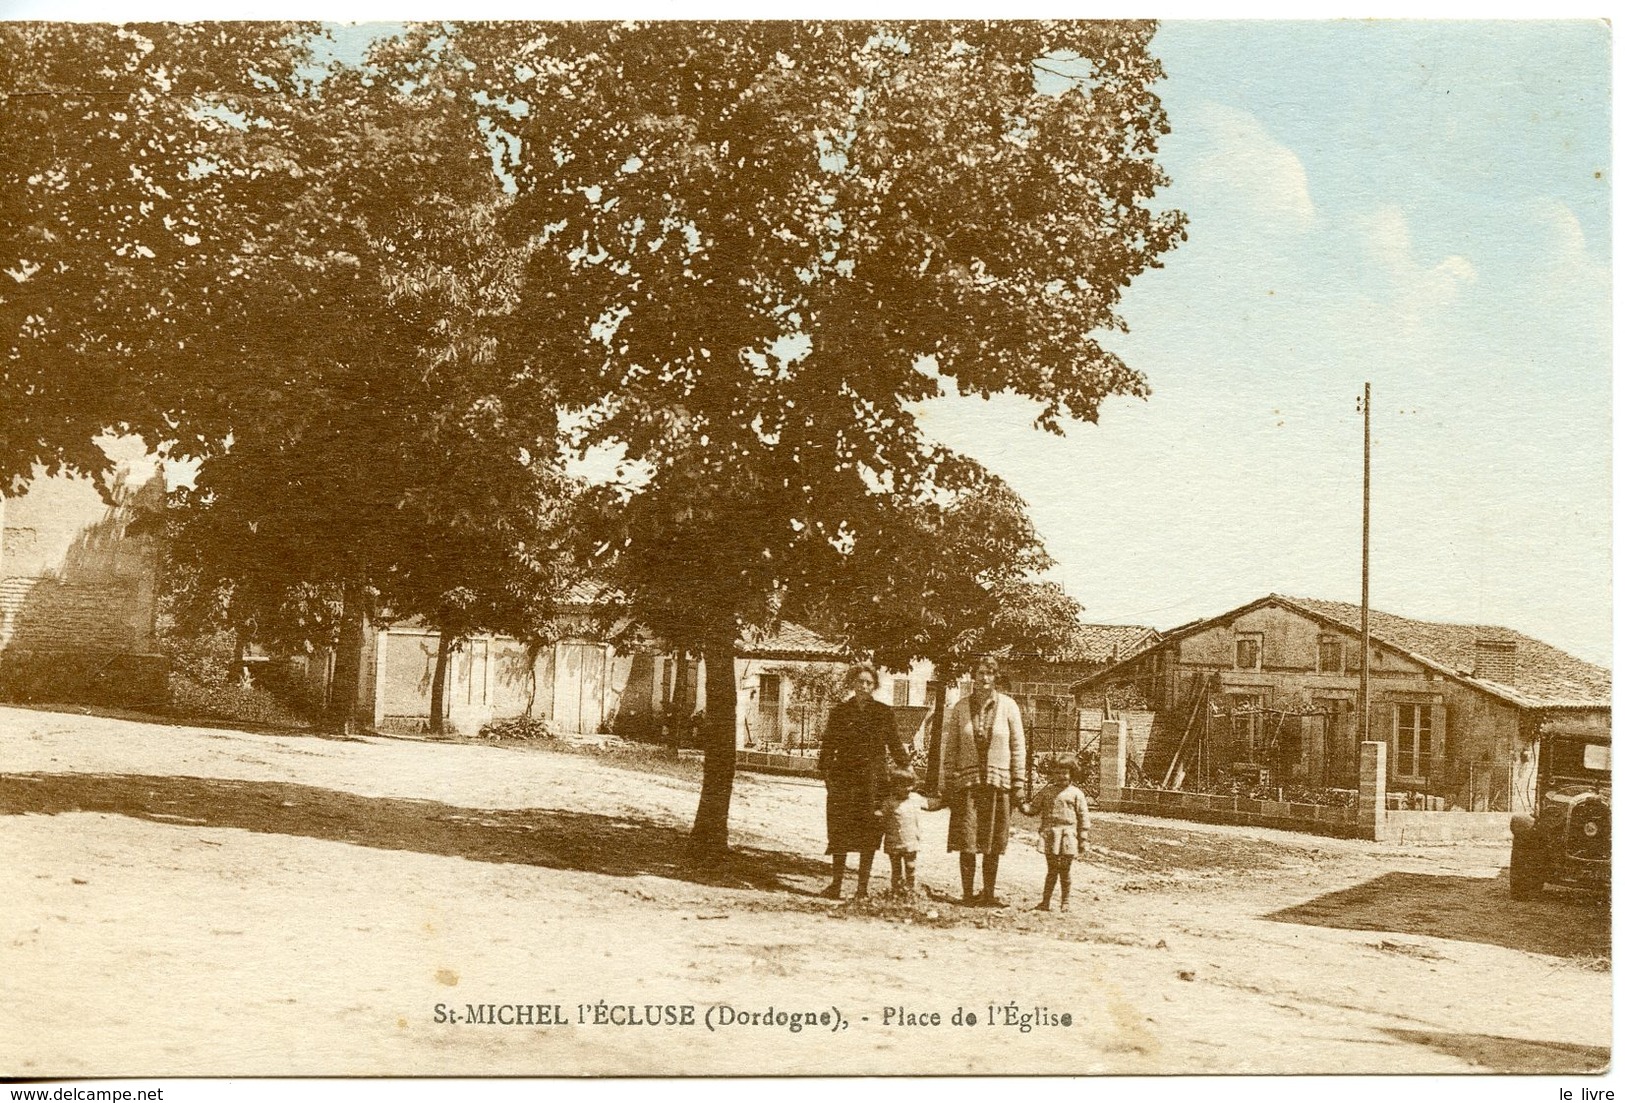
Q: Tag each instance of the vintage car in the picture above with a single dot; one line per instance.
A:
(1566, 841)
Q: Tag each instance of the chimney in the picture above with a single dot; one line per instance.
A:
(1495, 660)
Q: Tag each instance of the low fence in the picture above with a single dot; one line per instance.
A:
(1360, 821)
(767, 762)
(1370, 818)
(1317, 819)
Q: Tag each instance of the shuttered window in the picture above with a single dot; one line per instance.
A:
(1249, 650)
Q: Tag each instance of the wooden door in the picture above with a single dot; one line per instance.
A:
(594, 664)
(567, 687)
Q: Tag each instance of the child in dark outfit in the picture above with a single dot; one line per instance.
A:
(1064, 825)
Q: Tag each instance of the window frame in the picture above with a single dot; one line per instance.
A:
(1256, 639)
(1320, 654)
(1247, 708)
(765, 679)
(1413, 755)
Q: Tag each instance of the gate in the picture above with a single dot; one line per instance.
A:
(1051, 722)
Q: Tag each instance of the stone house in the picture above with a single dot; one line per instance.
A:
(787, 682)
(1269, 691)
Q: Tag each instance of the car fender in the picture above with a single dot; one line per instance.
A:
(1522, 825)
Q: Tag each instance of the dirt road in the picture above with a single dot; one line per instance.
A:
(189, 901)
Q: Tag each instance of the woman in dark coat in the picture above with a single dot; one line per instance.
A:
(858, 739)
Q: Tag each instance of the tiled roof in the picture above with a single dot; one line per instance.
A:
(1541, 675)
(1108, 643)
(791, 641)
(588, 592)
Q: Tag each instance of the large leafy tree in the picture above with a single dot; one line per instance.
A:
(289, 271)
(950, 581)
(403, 468)
(136, 204)
(757, 245)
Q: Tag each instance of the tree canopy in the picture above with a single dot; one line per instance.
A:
(290, 272)
(136, 208)
(403, 464)
(757, 245)
(738, 254)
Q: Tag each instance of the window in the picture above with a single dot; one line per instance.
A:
(1413, 740)
(1249, 650)
(899, 692)
(1246, 721)
(768, 692)
(1331, 655)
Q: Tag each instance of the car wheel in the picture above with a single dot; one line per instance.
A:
(1528, 875)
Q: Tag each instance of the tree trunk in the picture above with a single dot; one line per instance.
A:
(239, 654)
(709, 839)
(533, 655)
(437, 687)
(933, 739)
(344, 703)
(677, 711)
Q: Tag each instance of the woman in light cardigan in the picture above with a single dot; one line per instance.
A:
(984, 753)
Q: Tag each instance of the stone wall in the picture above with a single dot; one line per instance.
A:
(79, 590)
(1446, 827)
(1316, 819)
(765, 763)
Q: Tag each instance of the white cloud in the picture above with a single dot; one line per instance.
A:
(1418, 289)
(1563, 258)
(1255, 168)
(1557, 288)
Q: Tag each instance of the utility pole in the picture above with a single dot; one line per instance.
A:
(1365, 579)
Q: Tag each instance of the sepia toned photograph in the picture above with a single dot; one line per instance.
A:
(796, 547)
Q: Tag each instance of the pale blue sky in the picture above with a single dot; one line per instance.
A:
(1424, 205)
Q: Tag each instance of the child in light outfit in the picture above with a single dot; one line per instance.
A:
(1063, 813)
(902, 823)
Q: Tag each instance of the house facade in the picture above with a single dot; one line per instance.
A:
(787, 681)
(579, 685)
(582, 684)
(1269, 692)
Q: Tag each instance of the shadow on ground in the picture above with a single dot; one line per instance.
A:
(67, 709)
(617, 846)
(1466, 909)
(1141, 847)
(1497, 1054)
